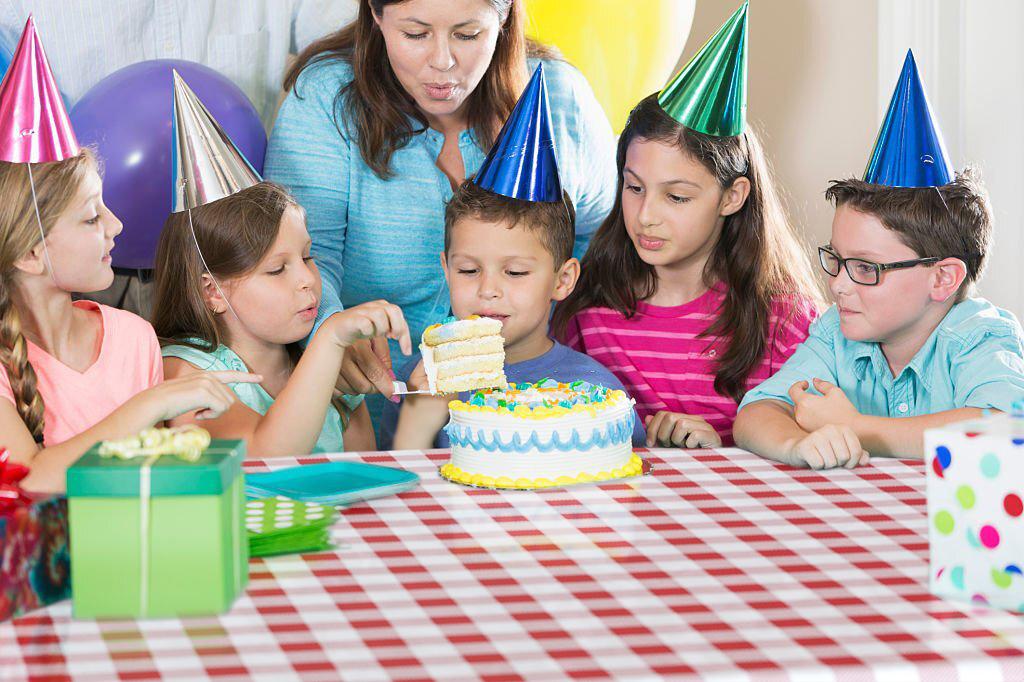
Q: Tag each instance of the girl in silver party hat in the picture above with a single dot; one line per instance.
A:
(237, 289)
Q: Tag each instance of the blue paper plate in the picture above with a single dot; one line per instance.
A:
(331, 483)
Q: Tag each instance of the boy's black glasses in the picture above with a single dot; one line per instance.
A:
(864, 271)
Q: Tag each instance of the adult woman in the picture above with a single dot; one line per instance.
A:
(386, 116)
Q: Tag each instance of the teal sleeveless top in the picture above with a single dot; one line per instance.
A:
(254, 396)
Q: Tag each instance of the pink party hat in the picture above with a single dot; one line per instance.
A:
(34, 126)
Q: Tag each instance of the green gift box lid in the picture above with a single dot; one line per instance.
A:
(93, 475)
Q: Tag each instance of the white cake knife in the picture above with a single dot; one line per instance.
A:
(402, 389)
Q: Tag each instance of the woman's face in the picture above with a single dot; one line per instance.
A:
(440, 50)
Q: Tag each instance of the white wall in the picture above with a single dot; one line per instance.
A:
(972, 63)
(812, 90)
(822, 73)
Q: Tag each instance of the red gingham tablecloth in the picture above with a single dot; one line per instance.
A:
(717, 565)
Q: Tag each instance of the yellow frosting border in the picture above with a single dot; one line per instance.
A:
(612, 399)
(634, 467)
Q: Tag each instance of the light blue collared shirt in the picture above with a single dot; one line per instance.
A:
(974, 358)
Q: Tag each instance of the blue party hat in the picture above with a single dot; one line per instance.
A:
(909, 151)
(521, 164)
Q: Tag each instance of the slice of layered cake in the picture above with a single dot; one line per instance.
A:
(464, 355)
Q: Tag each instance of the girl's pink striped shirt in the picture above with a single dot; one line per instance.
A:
(665, 364)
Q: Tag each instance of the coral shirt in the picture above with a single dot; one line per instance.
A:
(664, 363)
(128, 363)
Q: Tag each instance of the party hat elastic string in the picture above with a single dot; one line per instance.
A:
(39, 223)
(192, 231)
(206, 164)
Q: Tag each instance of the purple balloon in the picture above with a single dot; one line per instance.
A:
(128, 116)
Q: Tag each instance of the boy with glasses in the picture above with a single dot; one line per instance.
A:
(905, 348)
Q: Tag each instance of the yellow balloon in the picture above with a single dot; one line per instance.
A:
(627, 50)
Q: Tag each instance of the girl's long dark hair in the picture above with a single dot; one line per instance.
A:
(379, 108)
(758, 256)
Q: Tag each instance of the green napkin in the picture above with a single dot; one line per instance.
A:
(279, 525)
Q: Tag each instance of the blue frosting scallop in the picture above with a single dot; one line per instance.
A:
(491, 441)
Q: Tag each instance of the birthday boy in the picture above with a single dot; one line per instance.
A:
(508, 255)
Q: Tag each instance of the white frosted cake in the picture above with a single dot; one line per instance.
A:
(463, 355)
(541, 435)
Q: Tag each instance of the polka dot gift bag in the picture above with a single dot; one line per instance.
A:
(976, 510)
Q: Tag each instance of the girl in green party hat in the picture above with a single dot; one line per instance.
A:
(695, 288)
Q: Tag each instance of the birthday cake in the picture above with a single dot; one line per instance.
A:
(541, 435)
(463, 355)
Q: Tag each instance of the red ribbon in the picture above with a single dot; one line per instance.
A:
(12, 497)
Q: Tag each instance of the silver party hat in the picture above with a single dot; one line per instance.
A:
(206, 164)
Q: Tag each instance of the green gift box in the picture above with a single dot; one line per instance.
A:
(158, 536)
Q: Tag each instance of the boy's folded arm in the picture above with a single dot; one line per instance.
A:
(814, 358)
(768, 428)
(904, 436)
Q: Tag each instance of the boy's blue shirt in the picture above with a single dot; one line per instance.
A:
(561, 363)
(973, 358)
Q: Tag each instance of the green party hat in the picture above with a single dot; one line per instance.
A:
(709, 94)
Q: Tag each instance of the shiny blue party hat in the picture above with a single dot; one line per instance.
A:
(521, 164)
(909, 151)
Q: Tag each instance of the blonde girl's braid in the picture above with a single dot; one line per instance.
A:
(14, 358)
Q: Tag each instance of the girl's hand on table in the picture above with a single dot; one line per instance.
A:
(672, 429)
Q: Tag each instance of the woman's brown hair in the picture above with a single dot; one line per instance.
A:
(234, 233)
(56, 185)
(758, 256)
(379, 108)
